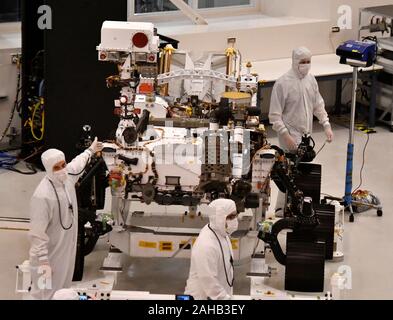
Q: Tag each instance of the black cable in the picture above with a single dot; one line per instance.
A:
(77, 174)
(323, 146)
(363, 163)
(313, 141)
(58, 204)
(39, 52)
(256, 246)
(223, 260)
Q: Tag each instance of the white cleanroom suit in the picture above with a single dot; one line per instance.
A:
(53, 228)
(295, 100)
(211, 271)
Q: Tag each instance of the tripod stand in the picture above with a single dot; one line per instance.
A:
(348, 199)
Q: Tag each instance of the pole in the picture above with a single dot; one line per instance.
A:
(353, 106)
(350, 149)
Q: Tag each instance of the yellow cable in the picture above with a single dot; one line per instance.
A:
(36, 106)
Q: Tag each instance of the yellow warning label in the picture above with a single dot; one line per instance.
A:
(147, 244)
(166, 246)
(235, 244)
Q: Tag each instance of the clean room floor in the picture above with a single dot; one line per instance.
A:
(368, 241)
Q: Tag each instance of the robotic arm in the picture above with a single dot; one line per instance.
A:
(300, 213)
(90, 190)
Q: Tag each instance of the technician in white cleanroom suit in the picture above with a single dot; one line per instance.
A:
(211, 271)
(295, 100)
(54, 222)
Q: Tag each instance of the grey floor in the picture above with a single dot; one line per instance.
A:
(368, 241)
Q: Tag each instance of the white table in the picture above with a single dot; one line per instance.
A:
(325, 67)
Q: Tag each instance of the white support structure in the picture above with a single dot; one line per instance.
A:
(189, 12)
(23, 278)
(338, 253)
(182, 74)
(102, 289)
(259, 290)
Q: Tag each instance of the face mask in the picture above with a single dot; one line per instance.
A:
(232, 226)
(304, 69)
(61, 175)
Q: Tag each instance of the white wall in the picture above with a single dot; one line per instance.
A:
(273, 42)
(337, 38)
(327, 9)
(319, 9)
(278, 27)
(355, 6)
(256, 44)
(10, 43)
(322, 9)
(306, 8)
(277, 39)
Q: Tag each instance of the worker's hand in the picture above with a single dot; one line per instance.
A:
(329, 134)
(45, 268)
(289, 142)
(96, 146)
